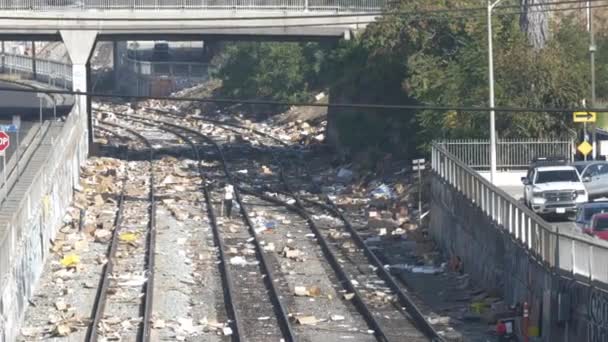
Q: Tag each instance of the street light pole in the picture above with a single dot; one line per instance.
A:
(491, 84)
(592, 49)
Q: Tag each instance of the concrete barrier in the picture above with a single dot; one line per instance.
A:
(564, 308)
(32, 214)
(505, 178)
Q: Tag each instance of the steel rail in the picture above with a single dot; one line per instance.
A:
(224, 270)
(410, 307)
(281, 311)
(404, 299)
(143, 333)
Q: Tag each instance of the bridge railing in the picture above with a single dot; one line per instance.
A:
(236, 5)
(510, 154)
(576, 255)
(52, 71)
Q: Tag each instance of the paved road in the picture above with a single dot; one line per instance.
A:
(517, 192)
(14, 103)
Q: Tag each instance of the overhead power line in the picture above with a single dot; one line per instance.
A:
(308, 104)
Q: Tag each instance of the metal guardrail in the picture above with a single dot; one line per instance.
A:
(236, 5)
(578, 256)
(53, 71)
(510, 154)
(171, 69)
(17, 162)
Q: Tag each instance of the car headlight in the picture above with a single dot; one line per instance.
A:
(580, 192)
(537, 193)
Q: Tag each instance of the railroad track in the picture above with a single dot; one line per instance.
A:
(127, 282)
(244, 278)
(390, 320)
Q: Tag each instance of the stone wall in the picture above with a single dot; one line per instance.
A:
(34, 222)
(495, 260)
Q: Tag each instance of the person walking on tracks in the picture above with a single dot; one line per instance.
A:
(228, 198)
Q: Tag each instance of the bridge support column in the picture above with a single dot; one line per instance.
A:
(80, 46)
(34, 72)
(115, 65)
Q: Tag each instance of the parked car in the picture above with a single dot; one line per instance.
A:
(596, 172)
(599, 226)
(554, 189)
(586, 211)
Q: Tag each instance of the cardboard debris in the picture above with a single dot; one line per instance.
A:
(81, 245)
(291, 253)
(307, 320)
(158, 324)
(266, 170)
(61, 305)
(98, 201)
(62, 330)
(303, 291)
(102, 235)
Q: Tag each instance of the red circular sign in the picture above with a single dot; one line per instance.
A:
(5, 141)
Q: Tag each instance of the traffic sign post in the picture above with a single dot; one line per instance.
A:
(584, 117)
(17, 124)
(418, 165)
(5, 142)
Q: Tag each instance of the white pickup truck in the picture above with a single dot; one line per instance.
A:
(554, 189)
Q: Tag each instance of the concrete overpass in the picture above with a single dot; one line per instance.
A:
(80, 24)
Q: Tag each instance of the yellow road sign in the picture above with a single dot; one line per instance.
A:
(585, 148)
(584, 116)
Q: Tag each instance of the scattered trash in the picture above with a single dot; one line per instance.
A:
(291, 253)
(70, 260)
(418, 269)
(307, 320)
(269, 247)
(302, 291)
(62, 330)
(240, 261)
(127, 237)
(131, 280)
(349, 296)
(382, 192)
(336, 318)
(266, 170)
(345, 175)
(61, 305)
(102, 235)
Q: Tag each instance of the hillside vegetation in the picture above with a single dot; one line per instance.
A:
(434, 59)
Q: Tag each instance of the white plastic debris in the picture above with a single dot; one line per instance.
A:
(336, 317)
(383, 191)
(238, 261)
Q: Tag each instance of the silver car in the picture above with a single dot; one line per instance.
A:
(595, 175)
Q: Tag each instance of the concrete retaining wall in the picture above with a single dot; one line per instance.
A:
(35, 220)
(496, 261)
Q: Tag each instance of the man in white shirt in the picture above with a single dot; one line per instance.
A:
(228, 197)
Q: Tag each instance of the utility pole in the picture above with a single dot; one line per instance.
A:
(491, 97)
(592, 49)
